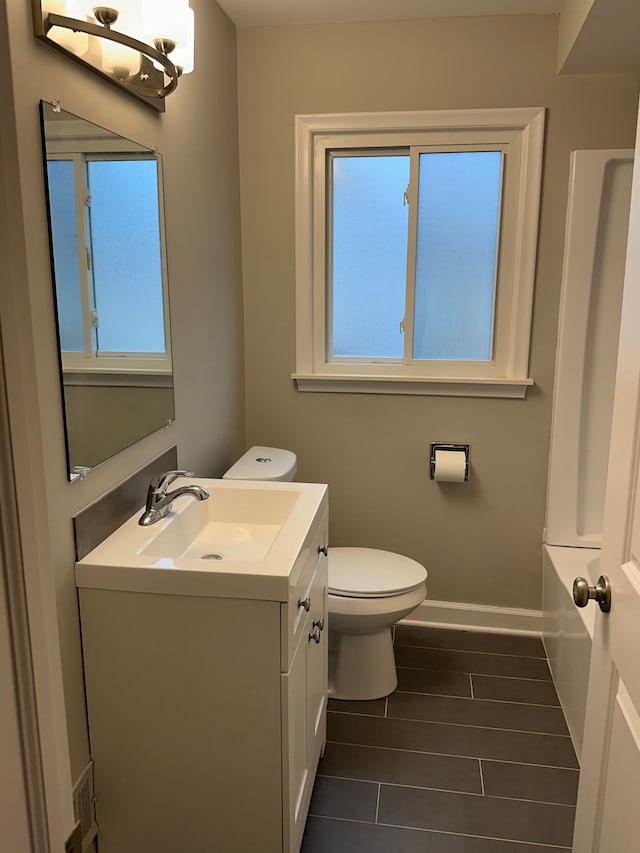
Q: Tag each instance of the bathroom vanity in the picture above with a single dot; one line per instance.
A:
(205, 654)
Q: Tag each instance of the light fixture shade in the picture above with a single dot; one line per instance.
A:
(183, 55)
(74, 42)
(129, 18)
(165, 19)
(69, 8)
(119, 60)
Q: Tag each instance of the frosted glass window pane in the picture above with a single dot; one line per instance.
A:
(369, 255)
(125, 242)
(458, 206)
(64, 238)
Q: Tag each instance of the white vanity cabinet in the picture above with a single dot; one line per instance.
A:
(207, 712)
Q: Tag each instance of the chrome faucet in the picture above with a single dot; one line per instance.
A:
(159, 500)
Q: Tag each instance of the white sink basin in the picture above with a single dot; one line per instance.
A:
(241, 542)
(232, 524)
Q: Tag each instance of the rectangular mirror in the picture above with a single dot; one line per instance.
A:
(106, 229)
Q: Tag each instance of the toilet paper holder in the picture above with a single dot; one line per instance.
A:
(444, 445)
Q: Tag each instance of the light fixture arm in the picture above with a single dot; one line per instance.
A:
(54, 20)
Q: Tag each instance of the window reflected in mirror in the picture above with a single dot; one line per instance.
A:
(104, 199)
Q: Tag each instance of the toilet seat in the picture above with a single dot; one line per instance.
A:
(371, 573)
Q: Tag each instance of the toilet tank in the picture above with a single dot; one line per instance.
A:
(264, 463)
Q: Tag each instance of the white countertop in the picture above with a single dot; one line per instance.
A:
(131, 558)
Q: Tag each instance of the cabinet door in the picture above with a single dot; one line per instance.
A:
(304, 694)
(296, 781)
(316, 669)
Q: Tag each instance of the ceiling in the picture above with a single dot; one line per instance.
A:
(255, 13)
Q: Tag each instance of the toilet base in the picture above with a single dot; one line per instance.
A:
(361, 666)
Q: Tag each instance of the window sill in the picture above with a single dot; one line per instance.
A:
(434, 386)
(133, 379)
(76, 362)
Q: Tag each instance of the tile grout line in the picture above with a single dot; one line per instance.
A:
(481, 674)
(400, 692)
(470, 686)
(450, 755)
(454, 791)
(461, 725)
(462, 672)
(378, 802)
(339, 710)
(517, 726)
(400, 645)
(482, 779)
(477, 699)
(445, 832)
(482, 837)
(386, 706)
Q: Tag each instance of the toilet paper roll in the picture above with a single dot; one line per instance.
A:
(450, 466)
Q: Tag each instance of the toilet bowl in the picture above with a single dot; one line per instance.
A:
(369, 591)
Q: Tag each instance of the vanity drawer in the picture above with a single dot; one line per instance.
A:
(304, 590)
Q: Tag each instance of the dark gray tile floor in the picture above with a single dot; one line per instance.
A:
(471, 754)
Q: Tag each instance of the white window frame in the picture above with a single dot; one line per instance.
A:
(519, 134)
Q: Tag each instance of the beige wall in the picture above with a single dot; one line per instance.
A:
(598, 35)
(480, 541)
(573, 16)
(198, 139)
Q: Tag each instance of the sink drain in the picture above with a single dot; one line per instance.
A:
(211, 557)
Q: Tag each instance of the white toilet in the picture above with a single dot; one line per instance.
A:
(369, 591)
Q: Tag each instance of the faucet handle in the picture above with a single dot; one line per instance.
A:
(161, 483)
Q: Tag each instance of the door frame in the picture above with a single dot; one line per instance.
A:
(35, 704)
(22, 782)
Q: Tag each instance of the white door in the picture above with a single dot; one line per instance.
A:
(607, 818)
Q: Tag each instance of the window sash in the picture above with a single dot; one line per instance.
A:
(412, 250)
(501, 294)
(83, 249)
(407, 318)
(161, 299)
(328, 288)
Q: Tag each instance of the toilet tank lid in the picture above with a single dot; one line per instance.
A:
(263, 463)
(370, 573)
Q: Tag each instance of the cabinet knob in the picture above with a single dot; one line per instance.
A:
(323, 549)
(319, 623)
(315, 635)
(305, 602)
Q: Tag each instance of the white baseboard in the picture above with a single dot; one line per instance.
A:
(476, 617)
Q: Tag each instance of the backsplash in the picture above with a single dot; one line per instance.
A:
(96, 522)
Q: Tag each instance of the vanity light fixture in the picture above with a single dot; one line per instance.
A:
(142, 46)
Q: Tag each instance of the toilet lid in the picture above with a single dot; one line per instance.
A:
(369, 573)
(263, 463)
